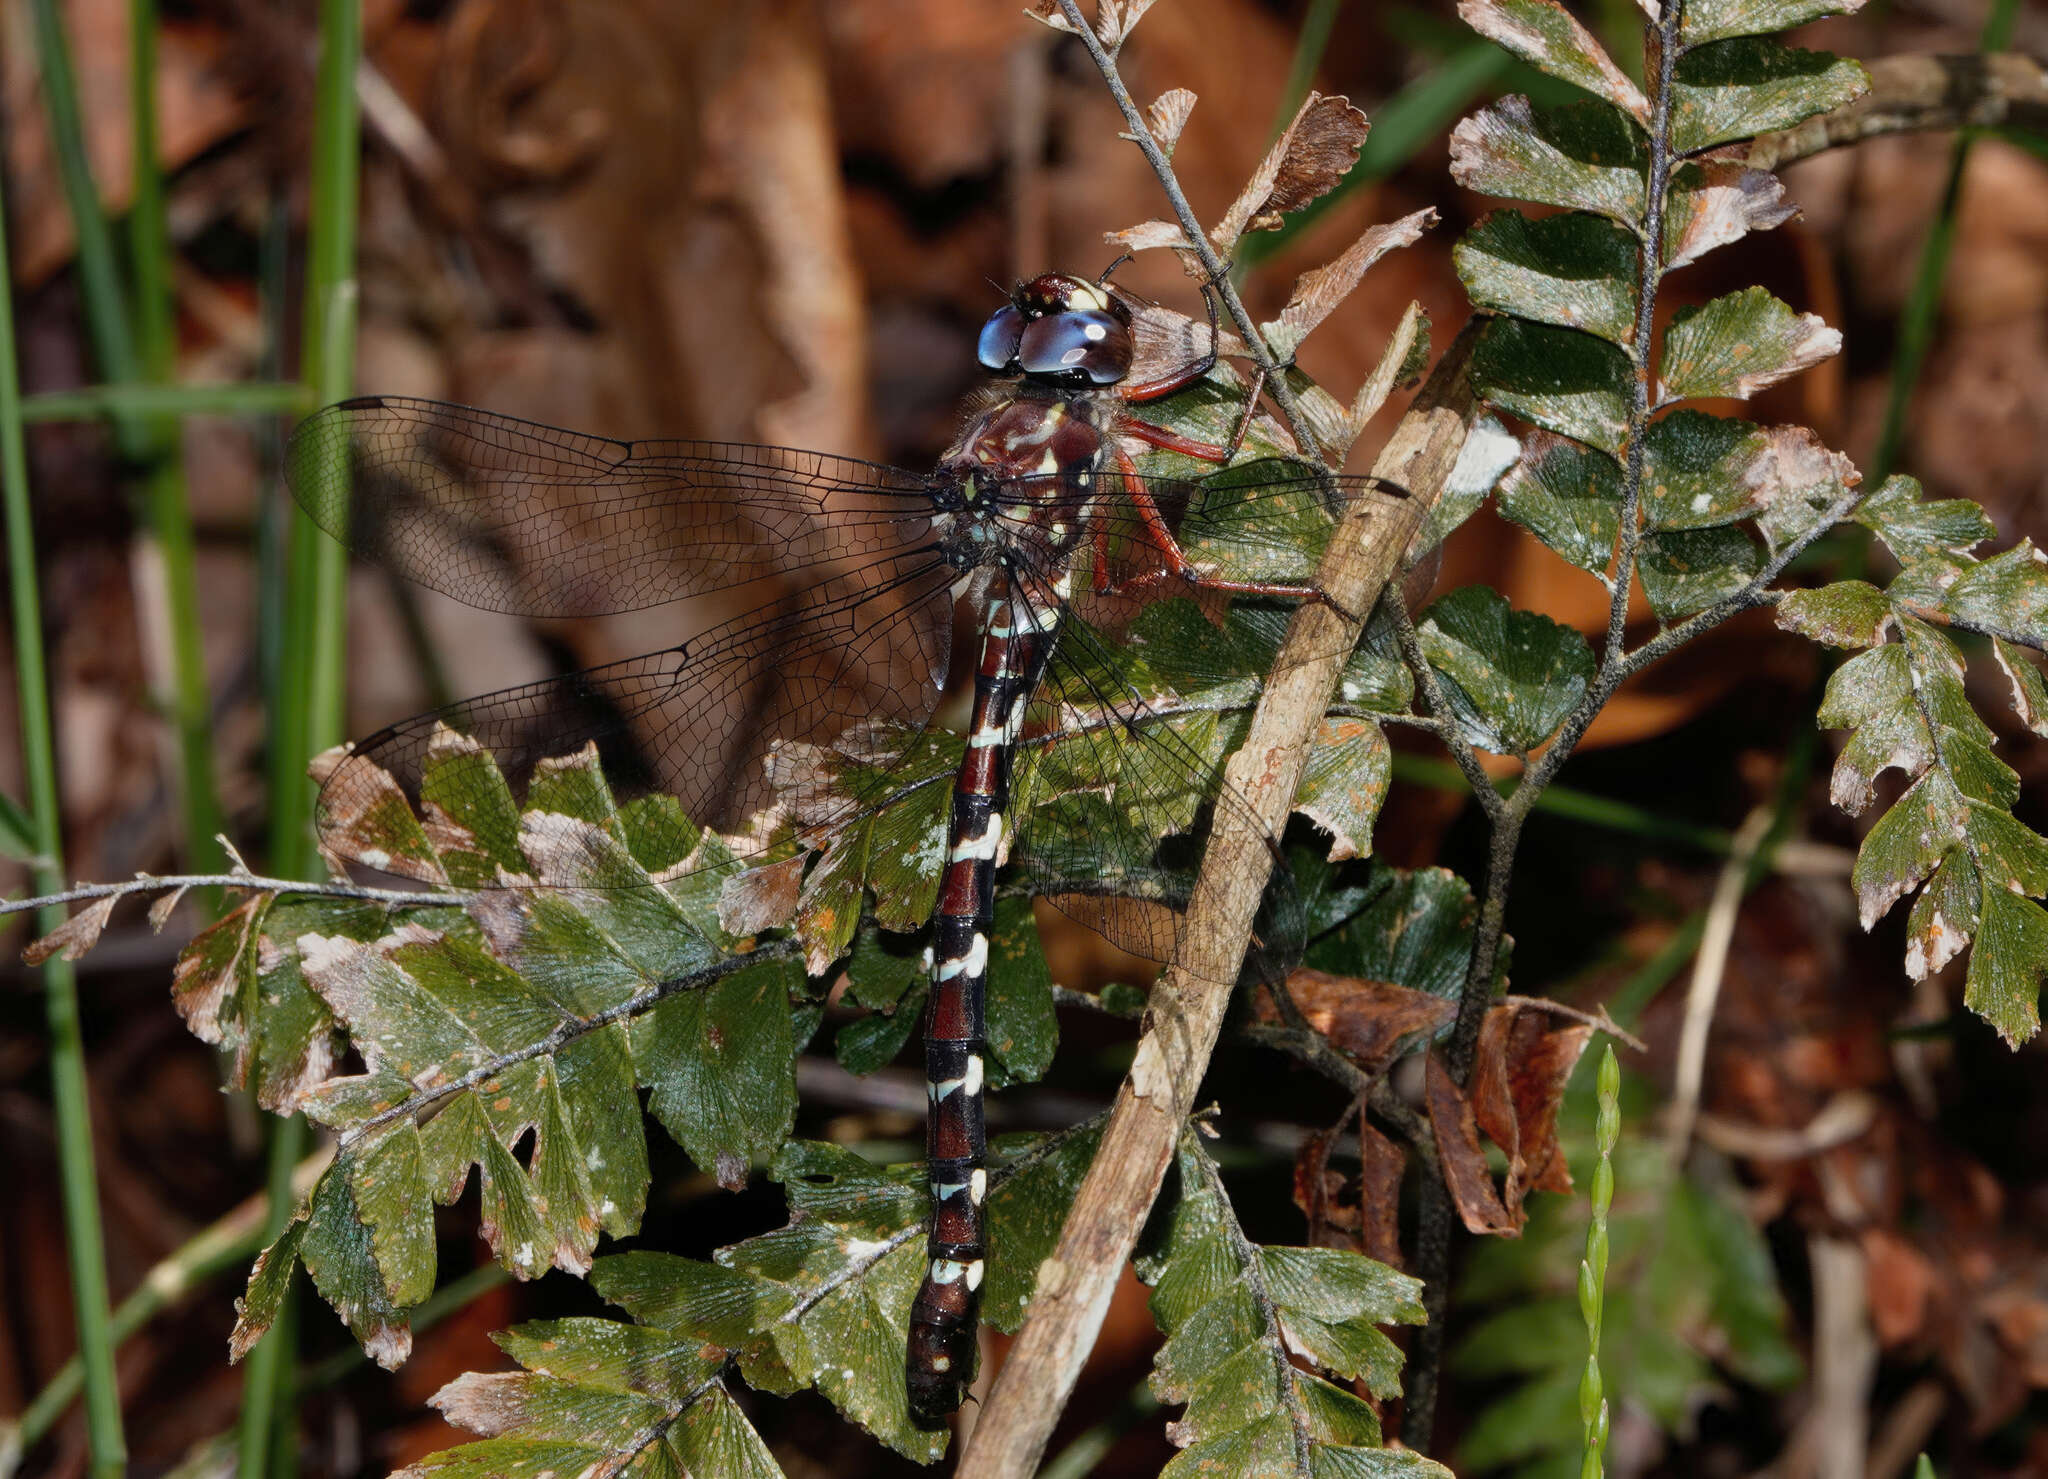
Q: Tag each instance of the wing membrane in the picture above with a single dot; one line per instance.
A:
(699, 721)
(512, 516)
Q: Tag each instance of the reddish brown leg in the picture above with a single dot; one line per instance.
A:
(1161, 538)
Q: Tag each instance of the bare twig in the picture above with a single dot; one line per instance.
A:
(1599, 1021)
(1218, 271)
(1919, 93)
(146, 883)
(1188, 1003)
(1710, 964)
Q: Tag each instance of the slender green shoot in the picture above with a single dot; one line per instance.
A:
(68, 1091)
(1593, 1269)
(1578, 806)
(190, 702)
(1309, 45)
(1922, 309)
(1079, 1458)
(106, 302)
(228, 1243)
(307, 704)
(116, 401)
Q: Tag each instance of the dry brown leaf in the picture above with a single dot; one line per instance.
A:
(74, 936)
(160, 912)
(1148, 235)
(1518, 1080)
(1317, 150)
(1381, 1166)
(1319, 1191)
(1168, 115)
(761, 898)
(1372, 395)
(1114, 19)
(1366, 1021)
(1317, 293)
(209, 967)
(351, 816)
(1463, 1162)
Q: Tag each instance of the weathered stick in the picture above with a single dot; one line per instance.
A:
(1911, 94)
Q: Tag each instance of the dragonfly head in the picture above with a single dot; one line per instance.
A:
(1059, 330)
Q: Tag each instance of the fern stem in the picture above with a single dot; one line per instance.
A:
(68, 1087)
(1648, 277)
(1593, 1269)
(307, 713)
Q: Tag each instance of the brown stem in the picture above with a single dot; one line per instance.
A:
(1920, 93)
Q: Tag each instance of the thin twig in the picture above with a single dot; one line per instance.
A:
(1599, 1021)
(148, 883)
(1187, 1004)
(1709, 967)
(1205, 250)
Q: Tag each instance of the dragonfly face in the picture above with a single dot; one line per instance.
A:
(1060, 330)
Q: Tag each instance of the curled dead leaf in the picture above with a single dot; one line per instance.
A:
(1318, 149)
(74, 936)
(1369, 1022)
(1464, 1163)
(1519, 1075)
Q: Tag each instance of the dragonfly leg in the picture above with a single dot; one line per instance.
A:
(1177, 563)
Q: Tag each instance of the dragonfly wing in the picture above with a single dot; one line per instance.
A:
(698, 722)
(512, 516)
(1118, 797)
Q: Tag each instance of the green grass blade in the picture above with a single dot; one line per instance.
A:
(106, 306)
(307, 703)
(1309, 46)
(60, 987)
(189, 705)
(111, 402)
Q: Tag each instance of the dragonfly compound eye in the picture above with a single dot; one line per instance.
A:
(1092, 345)
(998, 347)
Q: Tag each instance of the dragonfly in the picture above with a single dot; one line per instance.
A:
(834, 585)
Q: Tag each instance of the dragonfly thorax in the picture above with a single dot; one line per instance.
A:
(1019, 474)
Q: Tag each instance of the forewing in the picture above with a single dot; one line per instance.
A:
(512, 516)
(698, 722)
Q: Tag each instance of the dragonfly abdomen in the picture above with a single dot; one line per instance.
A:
(1017, 642)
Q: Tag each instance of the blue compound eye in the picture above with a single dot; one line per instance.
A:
(1088, 344)
(998, 347)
